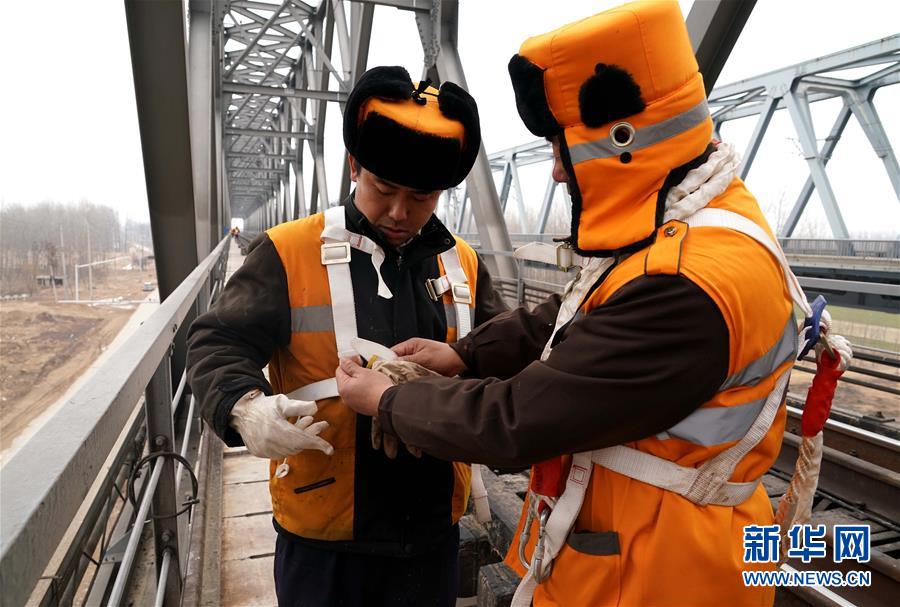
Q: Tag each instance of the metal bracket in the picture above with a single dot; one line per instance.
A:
(116, 550)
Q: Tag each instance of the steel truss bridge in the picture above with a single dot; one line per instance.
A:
(232, 97)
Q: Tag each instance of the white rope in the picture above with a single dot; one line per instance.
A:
(702, 184)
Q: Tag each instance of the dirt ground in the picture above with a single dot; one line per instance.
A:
(45, 346)
(860, 400)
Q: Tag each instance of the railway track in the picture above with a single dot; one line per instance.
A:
(859, 484)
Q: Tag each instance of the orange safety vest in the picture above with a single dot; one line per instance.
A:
(637, 544)
(324, 508)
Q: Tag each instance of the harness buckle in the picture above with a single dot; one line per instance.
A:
(564, 256)
(335, 252)
(461, 293)
(429, 288)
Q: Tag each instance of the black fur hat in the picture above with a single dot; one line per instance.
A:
(419, 137)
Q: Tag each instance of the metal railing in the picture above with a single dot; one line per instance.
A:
(86, 450)
(831, 247)
(883, 249)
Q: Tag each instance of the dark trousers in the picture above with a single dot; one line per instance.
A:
(307, 576)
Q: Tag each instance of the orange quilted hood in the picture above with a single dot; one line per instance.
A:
(622, 91)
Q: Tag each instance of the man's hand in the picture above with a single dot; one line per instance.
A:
(435, 355)
(262, 422)
(360, 388)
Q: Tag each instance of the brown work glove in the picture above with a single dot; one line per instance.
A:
(399, 372)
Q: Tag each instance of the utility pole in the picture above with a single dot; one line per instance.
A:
(62, 253)
(53, 284)
(90, 267)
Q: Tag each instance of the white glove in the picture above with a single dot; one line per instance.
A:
(838, 343)
(262, 422)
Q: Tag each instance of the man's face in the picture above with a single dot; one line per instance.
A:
(398, 212)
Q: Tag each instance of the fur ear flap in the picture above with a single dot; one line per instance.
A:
(610, 94)
(457, 104)
(389, 82)
(531, 101)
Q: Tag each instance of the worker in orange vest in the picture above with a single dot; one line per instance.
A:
(650, 395)
(355, 526)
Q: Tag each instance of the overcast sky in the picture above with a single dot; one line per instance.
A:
(70, 128)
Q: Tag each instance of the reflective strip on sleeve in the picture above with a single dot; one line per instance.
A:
(312, 319)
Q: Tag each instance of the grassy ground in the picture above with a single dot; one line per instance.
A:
(867, 327)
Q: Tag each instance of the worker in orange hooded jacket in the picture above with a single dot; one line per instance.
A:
(653, 389)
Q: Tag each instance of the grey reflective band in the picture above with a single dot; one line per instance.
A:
(716, 425)
(765, 365)
(312, 319)
(645, 137)
(450, 312)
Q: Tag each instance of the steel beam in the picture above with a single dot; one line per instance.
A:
(765, 116)
(714, 27)
(264, 133)
(864, 110)
(825, 154)
(884, 50)
(362, 34)
(254, 170)
(480, 184)
(520, 197)
(802, 118)
(200, 75)
(252, 44)
(546, 205)
(319, 78)
(271, 68)
(406, 5)
(156, 37)
(322, 94)
(254, 155)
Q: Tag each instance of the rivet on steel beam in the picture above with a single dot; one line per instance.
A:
(166, 536)
(160, 441)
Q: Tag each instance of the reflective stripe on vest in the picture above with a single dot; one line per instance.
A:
(710, 426)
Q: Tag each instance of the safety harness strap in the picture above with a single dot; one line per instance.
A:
(560, 523)
(327, 388)
(720, 218)
(336, 258)
(336, 232)
(459, 290)
(456, 281)
(561, 255)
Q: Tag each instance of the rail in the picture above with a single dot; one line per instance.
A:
(81, 451)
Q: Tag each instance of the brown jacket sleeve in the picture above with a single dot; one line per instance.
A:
(488, 301)
(229, 345)
(509, 342)
(631, 368)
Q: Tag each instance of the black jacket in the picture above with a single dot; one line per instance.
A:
(401, 506)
